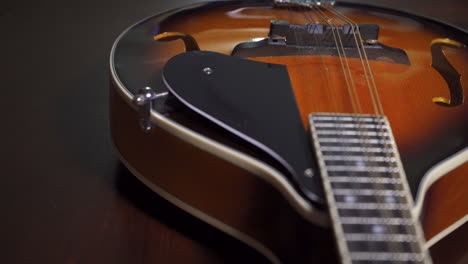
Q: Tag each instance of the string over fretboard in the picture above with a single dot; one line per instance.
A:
(368, 196)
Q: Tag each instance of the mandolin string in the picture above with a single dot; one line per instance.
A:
(342, 59)
(352, 93)
(326, 18)
(356, 32)
(354, 90)
(299, 54)
(380, 108)
(301, 58)
(359, 124)
(364, 138)
(341, 54)
(352, 184)
(377, 104)
(339, 232)
(324, 69)
(356, 104)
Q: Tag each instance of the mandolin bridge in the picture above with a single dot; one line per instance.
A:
(286, 39)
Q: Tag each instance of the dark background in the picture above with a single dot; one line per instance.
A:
(64, 197)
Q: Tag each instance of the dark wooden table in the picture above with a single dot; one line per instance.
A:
(64, 196)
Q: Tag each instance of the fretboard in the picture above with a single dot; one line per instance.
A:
(366, 188)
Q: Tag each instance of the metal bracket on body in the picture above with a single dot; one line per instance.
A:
(144, 100)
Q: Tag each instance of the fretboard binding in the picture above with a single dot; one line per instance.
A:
(381, 237)
(364, 179)
(359, 158)
(352, 133)
(362, 168)
(375, 220)
(369, 200)
(357, 149)
(342, 125)
(372, 206)
(354, 140)
(387, 256)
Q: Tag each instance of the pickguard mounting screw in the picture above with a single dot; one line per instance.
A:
(208, 70)
(309, 173)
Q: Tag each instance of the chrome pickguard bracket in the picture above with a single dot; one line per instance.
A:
(144, 100)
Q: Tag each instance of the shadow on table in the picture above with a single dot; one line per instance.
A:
(146, 200)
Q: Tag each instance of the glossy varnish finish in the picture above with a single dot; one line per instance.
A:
(405, 91)
(244, 201)
(219, 189)
(65, 197)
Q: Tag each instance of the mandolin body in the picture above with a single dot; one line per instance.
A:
(222, 180)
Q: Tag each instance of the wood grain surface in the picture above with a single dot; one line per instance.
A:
(65, 198)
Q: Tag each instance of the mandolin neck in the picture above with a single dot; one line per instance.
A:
(366, 188)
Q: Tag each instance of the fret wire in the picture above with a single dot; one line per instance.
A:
(369, 192)
(362, 168)
(372, 206)
(356, 149)
(360, 158)
(365, 185)
(347, 153)
(364, 179)
(376, 220)
(352, 133)
(381, 237)
(354, 140)
(346, 118)
(358, 126)
(380, 256)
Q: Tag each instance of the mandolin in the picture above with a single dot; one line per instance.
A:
(311, 131)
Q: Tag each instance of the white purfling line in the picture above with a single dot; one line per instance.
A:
(259, 168)
(435, 173)
(446, 231)
(265, 251)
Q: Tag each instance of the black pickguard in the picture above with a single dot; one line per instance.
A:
(135, 69)
(252, 100)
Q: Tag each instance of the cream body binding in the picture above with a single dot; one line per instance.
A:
(265, 172)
